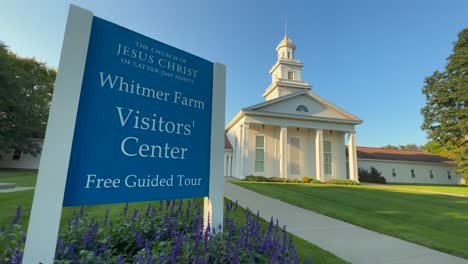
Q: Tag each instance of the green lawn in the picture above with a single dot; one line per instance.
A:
(22, 178)
(436, 221)
(9, 202)
(460, 189)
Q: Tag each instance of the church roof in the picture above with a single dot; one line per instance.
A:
(286, 42)
(227, 144)
(399, 155)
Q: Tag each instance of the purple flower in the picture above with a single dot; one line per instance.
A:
(106, 216)
(72, 254)
(125, 210)
(135, 215)
(16, 257)
(17, 216)
(139, 239)
(148, 210)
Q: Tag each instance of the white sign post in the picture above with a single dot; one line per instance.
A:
(47, 205)
(214, 203)
(57, 150)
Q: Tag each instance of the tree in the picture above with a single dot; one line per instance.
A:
(412, 147)
(446, 113)
(435, 147)
(390, 147)
(26, 87)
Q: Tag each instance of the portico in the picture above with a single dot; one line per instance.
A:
(283, 151)
(294, 133)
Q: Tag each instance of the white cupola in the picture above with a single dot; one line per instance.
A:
(286, 74)
(286, 48)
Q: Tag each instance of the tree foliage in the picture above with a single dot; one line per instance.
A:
(26, 87)
(446, 113)
(435, 147)
(413, 147)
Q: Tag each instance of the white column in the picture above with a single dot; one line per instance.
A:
(284, 152)
(245, 150)
(319, 173)
(352, 156)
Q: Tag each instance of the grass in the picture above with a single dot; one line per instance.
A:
(22, 178)
(435, 221)
(461, 189)
(9, 202)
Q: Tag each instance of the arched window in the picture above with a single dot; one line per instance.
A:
(302, 108)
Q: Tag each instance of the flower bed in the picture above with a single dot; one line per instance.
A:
(168, 232)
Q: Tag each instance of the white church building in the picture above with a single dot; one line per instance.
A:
(294, 132)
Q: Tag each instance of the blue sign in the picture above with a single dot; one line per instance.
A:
(143, 127)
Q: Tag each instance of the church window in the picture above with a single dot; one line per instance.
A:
(394, 172)
(449, 175)
(431, 174)
(16, 155)
(327, 157)
(302, 108)
(413, 174)
(259, 153)
(290, 75)
(289, 54)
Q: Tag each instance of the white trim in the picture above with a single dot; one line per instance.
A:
(281, 82)
(234, 120)
(301, 117)
(214, 203)
(48, 196)
(294, 62)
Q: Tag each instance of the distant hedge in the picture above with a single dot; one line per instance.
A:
(304, 179)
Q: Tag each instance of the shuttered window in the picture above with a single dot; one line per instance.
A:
(259, 153)
(327, 157)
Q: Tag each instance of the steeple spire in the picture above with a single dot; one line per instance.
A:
(285, 27)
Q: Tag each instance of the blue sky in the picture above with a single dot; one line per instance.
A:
(369, 57)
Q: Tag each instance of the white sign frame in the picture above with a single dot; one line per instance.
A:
(47, 205)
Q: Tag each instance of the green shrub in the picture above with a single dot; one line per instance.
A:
(276, 179)
(305, 179)
(342, 182)
(255, 178)
(315, 181)
(293, 180)
(372, 176)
